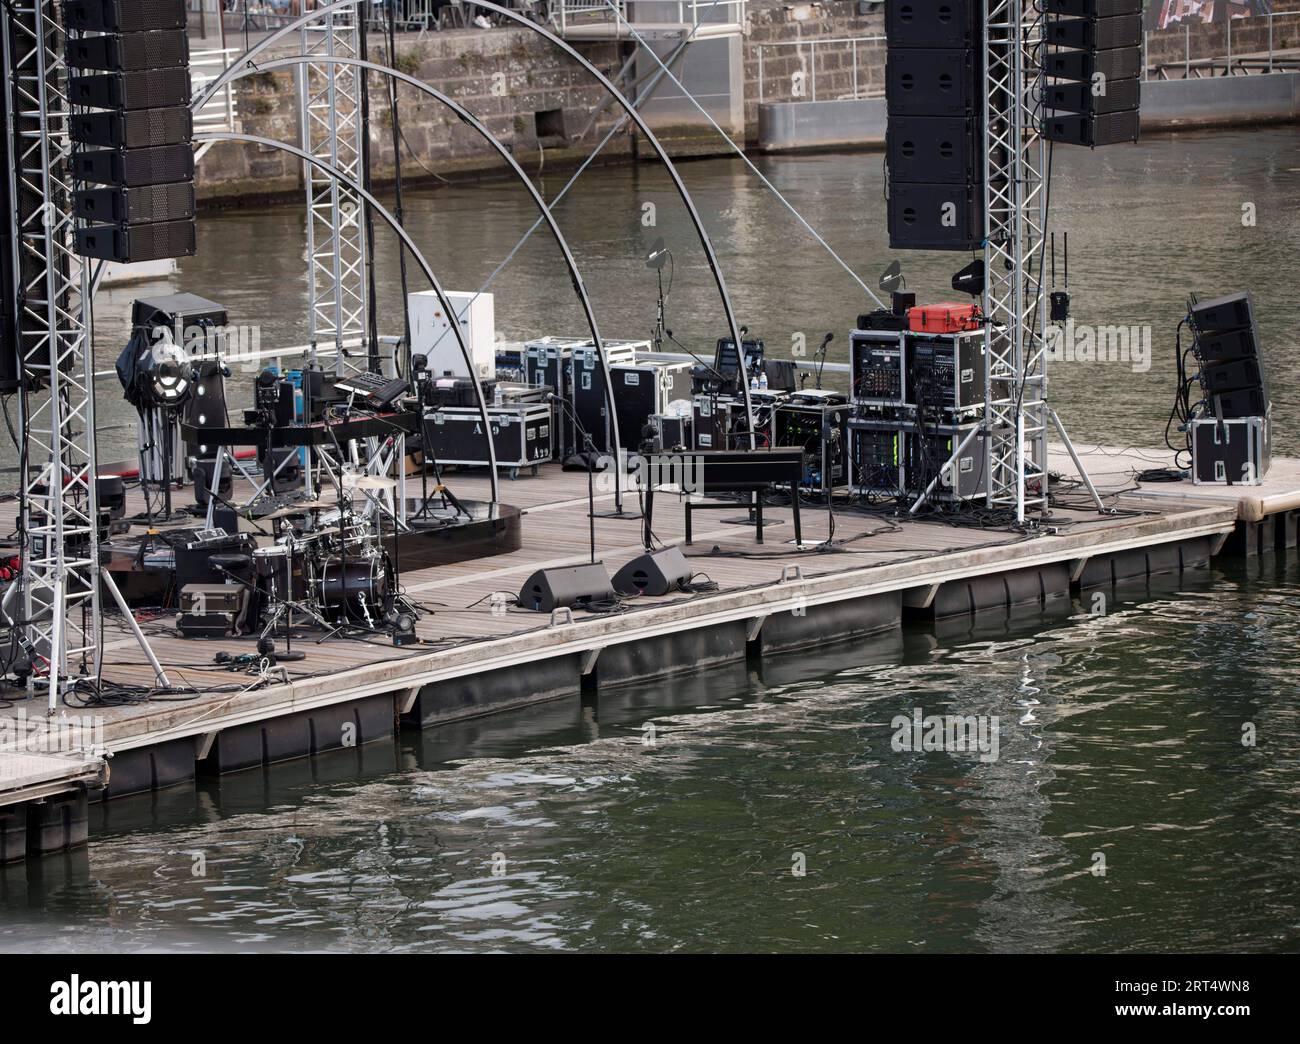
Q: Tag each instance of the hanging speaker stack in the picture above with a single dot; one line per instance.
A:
(1094, 68)
(934, 137)
(133, 129)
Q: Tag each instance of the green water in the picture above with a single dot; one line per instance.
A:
(559, 828)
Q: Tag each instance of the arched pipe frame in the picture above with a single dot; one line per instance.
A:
(705, 242)
(409, 243)
(575, 276)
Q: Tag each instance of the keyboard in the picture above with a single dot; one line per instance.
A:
(379, 391)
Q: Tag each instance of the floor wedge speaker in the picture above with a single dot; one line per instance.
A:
(550, 589)
(654, 574)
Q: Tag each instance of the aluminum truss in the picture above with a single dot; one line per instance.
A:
(332, 131)
(53, 291)
(1016, 414)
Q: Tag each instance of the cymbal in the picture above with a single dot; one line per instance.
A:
(371, 482)
(299, 508)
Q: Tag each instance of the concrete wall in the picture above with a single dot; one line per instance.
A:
(511, 79)
(1166, 105)
(518, 84)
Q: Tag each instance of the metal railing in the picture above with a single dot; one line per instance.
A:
(803, 84)
(567, 14)
(221, 111)
(1250, 63)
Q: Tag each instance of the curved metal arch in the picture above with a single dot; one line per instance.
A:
(334, 172)
(705, 242)
(579, 287)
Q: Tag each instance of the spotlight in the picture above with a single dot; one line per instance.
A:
(165, 379)
(404, 629)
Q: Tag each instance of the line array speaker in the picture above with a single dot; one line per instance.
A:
(136, 206)
(1099, 47)
(124, 16)
(139, 142)
(1232, 362)
(139, 129)
(934, 135)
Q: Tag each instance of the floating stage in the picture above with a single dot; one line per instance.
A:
(477, 656)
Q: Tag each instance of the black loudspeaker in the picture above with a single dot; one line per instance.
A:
(1099, 33)
(1226, 346)
(127, 244)
(283, 469)
(137, 129)
(925, 81)
(1233, 376)
(1220, 314)
(159, 49)
(202, 473)
(658, 573)
(935, 217)
(1106, 96)
(1093, 8)
(1123, 63)
(936, 149)
(549, 589)
(933, 23)
(150, 89)
(136, 206)
(1243, 402)
(124, 16)
(1103, 129)
(134, 167)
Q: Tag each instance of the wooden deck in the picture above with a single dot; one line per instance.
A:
(464, 636)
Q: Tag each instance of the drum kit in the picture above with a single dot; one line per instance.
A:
(326, 566)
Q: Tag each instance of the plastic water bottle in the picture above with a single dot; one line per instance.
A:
(753, 383)
(762, 381)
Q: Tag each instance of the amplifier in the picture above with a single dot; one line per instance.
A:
(927, 454)
(136, 206)
(124, 16)
(820, 431)
(876, 362)
(947, 370)
(157, 49)
(134, 167)
(137, 129)
(148, 89)
(127, 244)
(209, 625)
(875, 457)
(1235, 452)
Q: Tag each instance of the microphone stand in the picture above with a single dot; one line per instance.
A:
(590, 453)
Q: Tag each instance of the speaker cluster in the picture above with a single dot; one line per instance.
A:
(934, 134)
(1094, 68)
(132, 128)
(1232, 363)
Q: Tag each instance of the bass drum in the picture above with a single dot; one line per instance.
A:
(346, 582)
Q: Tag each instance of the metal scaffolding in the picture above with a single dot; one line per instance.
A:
(332, 130)
(56, 401)
(53, 291)
(1016, 414)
